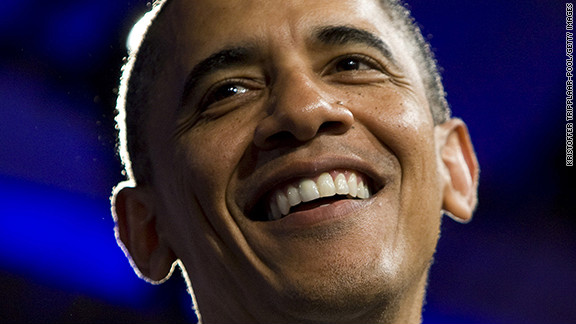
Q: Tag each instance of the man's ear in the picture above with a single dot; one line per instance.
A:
(460, 170)
(137, 233)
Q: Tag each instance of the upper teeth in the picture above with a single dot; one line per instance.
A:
(309, 189)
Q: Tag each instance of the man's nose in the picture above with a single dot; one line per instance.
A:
(298, 111)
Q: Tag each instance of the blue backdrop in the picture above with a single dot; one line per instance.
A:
(504, 67)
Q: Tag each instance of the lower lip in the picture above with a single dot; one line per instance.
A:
(321, 215)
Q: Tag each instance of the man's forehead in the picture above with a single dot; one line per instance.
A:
(205, 26)
(207, 18)
(281, 6)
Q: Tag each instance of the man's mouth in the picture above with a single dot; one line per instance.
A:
(311, 192)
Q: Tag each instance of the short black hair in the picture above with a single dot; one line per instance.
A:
(145, 62)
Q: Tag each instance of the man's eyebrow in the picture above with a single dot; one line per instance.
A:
(342, 35)
(223, 59)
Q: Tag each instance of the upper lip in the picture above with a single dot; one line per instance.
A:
(265, 180)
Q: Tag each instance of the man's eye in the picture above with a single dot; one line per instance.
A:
(222, 92)
(353, 64)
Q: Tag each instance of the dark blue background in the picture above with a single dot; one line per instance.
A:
(504, 73)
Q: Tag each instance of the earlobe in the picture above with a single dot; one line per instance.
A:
(461, 170)
(137, 233)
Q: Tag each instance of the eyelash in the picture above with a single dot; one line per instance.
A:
(362, 59)
(224, 85)
(212, 96)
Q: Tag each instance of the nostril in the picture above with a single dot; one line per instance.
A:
(333, 128)
(287, 138)
(283, 138)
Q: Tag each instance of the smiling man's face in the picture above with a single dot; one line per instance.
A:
(297, 171)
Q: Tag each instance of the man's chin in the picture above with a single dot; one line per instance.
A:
(340, 295)
(345, 278)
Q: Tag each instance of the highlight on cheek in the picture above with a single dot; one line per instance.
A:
(413, 116)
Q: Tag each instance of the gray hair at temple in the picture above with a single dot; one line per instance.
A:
(145, 61)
